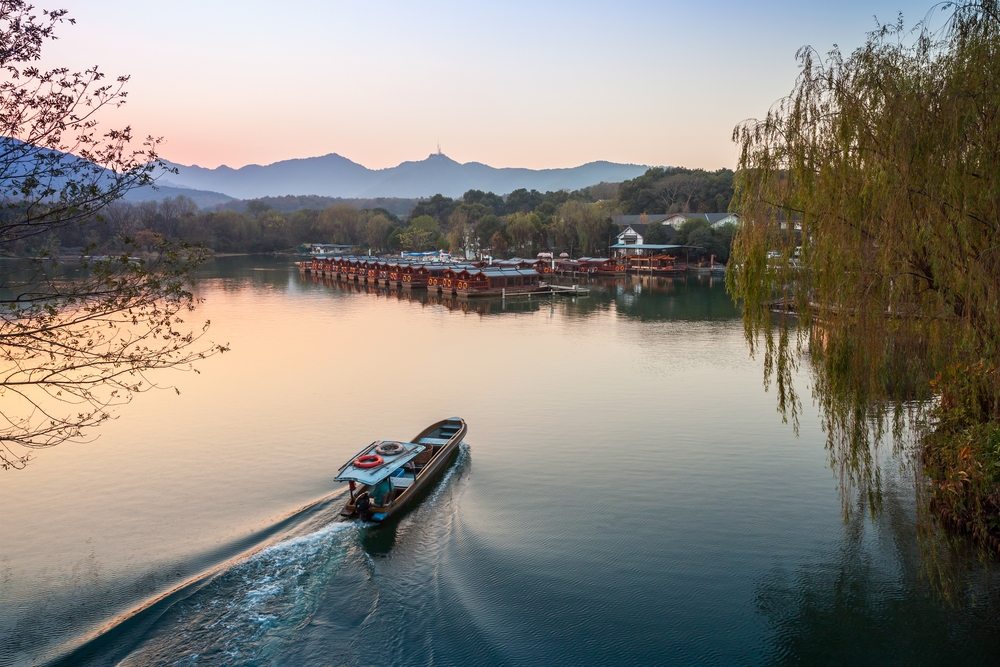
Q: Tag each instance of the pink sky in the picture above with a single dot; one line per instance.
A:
(515, 84)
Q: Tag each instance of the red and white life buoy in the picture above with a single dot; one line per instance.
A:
(368, 461)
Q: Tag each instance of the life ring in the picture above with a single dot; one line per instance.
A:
(368, 461)
(389, 449)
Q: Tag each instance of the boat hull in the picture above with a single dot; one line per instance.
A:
(430, 472)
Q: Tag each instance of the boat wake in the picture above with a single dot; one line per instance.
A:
(252, 610)
(323, 585)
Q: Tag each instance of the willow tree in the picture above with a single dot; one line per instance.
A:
(869, 202)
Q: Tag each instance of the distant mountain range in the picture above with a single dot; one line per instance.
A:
(55, 168)
(203, 198)
(335, 176)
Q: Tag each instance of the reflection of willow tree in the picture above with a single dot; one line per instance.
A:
(867, 600)
(73, 343)
(882, 166)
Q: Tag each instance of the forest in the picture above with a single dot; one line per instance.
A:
(522, 222)
(677, 190)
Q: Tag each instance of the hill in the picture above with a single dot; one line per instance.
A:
(203, 198)
(335, 176)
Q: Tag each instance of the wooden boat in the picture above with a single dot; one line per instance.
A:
(386, 475)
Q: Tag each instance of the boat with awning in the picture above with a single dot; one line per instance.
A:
(387, 474)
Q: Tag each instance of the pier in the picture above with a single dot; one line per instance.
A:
(461, 279)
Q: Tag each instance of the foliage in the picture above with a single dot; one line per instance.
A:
(256, 207)
(489, 200)
(522, 201)
(75, 340)
(657, 234)
(677, 190)
(416, 239)
(391, 207)
(488, 227)
(438, 207)
(604, 190)
(424, 223)
(472, 213)
(265, 227)
(964, 465)
(886, 161)
(590, 223)
(688, 228)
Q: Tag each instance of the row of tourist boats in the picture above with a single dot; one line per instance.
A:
(505, 276)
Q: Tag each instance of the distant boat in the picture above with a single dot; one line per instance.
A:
(386, 475)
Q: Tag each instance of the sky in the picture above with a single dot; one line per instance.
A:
(537, 84)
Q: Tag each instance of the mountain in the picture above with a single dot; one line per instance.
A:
(55, 169)
(202, 198)
(335, 176)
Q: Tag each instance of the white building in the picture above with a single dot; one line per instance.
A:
(715, 219)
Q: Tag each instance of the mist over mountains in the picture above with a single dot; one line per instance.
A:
(335, 176)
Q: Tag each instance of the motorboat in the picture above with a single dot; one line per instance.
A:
(387, 475)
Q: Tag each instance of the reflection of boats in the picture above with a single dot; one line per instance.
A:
(656, 265)
(385, 476)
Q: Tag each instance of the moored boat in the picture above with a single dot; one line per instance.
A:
(386, 475)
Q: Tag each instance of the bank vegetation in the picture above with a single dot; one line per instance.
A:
(870, 205)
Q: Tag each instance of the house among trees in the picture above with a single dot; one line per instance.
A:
(641, 230)
(632, 234)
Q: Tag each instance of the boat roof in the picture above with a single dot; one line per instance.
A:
(495, 272)
(390, 463)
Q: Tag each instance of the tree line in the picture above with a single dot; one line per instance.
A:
(523, 222)
(677, 190)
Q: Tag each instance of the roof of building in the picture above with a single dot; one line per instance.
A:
(712, 218)
(636, 227)
(629, 219)
(654, 246)
(494, 272)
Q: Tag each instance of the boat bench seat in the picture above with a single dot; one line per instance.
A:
(402, 482)
(433, 441)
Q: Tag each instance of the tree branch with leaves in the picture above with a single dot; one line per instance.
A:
(76, 337)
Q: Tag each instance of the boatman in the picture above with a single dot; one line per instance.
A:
(379, 492)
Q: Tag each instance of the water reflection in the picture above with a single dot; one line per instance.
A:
(379, 538)
(644, 298)
(480, 306)
(740, 554)
(869, 599)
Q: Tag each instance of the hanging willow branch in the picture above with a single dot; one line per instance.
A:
(870, 206)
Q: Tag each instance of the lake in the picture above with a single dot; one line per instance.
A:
(627, 494)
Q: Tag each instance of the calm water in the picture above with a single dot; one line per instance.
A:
(627, 495)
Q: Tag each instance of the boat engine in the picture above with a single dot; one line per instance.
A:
(363, 506)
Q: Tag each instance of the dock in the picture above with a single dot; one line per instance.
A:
(497, 279)
(460, 279)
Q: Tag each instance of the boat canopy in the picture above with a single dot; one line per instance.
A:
(389, 464)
